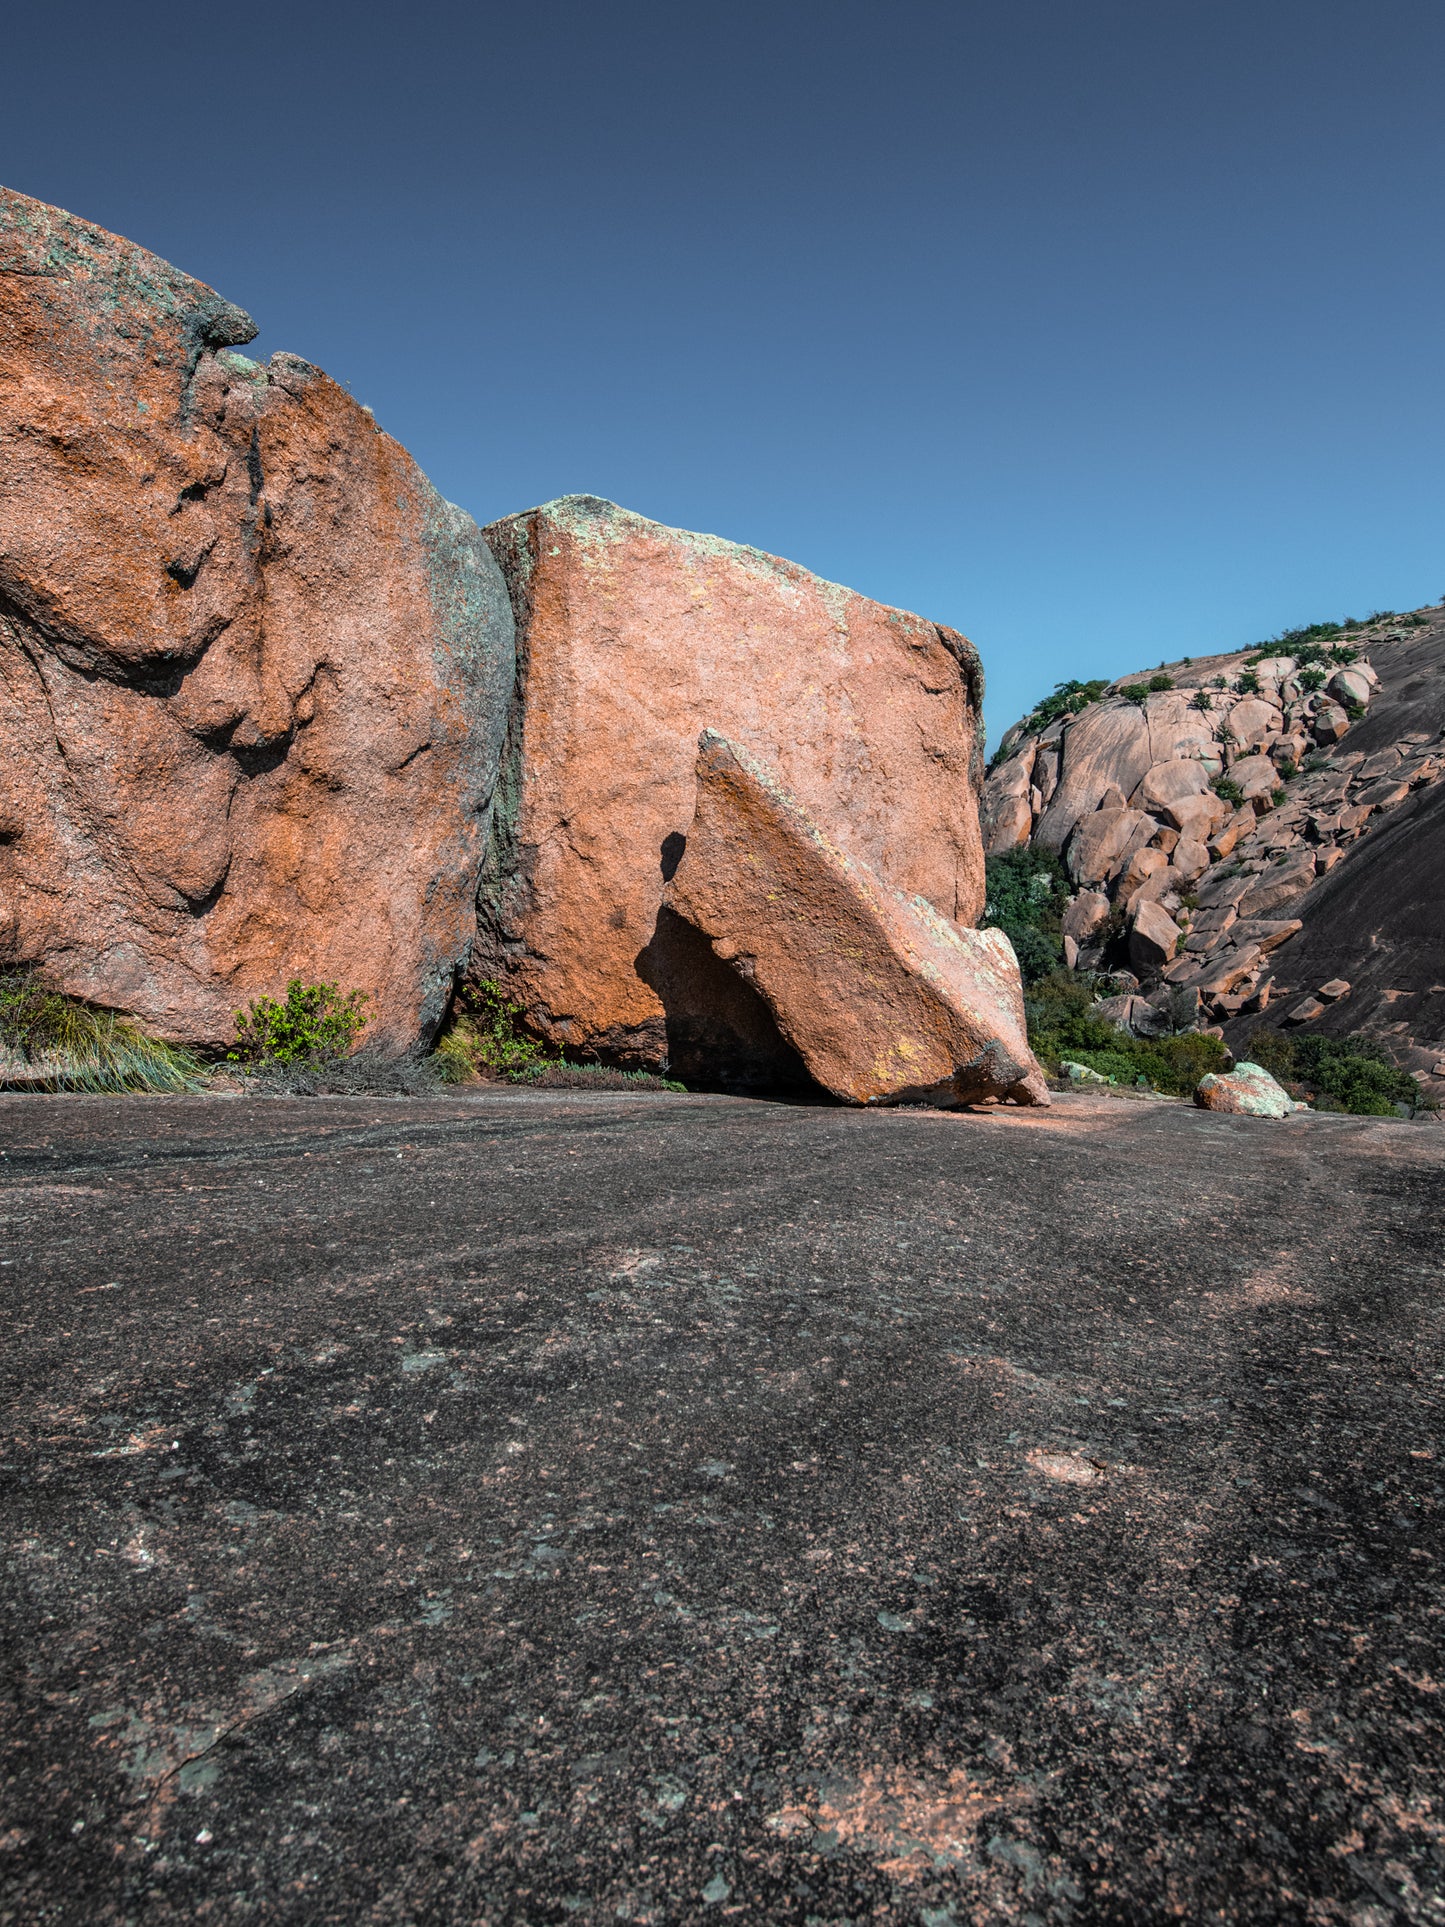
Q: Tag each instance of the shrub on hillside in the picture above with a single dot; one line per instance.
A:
(1026, 890)
(1068, 698)
(1060, 1024)
(1354, 1074)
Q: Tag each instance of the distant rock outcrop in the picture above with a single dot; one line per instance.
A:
(632, 639)
(882, 998)
(1263, 835)
(254, 672)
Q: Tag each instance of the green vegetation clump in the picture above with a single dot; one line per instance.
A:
(1025, 894)
(1248, 684)
(1158, 684)
(1068, 696)
(68, 1045)
(313, 1024)
(1060, 1025)
(1354, 1074)
(562, 1076)
(1312, 679)
(1227, 790)
(486, 1039)
(1137, 692)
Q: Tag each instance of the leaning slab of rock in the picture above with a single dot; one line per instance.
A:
(254, 672)
(1084, 915)
(1248, 1090)
(1154, 938)
(881, 996)
(633, 638)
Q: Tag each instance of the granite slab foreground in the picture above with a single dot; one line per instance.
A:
(540, 1508)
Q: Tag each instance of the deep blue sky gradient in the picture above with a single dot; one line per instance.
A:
(1104, 330)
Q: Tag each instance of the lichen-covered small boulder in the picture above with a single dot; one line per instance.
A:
(882, 997)
(1248, 1091)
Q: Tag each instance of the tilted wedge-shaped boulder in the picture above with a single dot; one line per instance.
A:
(881, 996)
(632, 638)
(254, 671)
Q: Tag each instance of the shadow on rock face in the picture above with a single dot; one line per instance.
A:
(720, 1034)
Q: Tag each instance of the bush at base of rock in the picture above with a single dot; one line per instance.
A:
(485, 1041)
(1061, 1027)
(314, 1024)
(50, 1042)
(1352, 1074)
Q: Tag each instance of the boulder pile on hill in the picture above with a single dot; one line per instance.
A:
(1253, 837)
(270, 709)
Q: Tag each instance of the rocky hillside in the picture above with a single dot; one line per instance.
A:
(1257, 838)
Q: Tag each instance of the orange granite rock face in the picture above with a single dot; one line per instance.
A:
(633, 638)
(882, 997)
(253, 670)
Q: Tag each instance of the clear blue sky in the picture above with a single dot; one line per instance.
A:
(1103, 330)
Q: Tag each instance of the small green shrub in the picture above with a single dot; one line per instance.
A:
(76, 1047)
(1343, 654)
(1311, 680)
(487, 1037)
(1025, 893)
(1248, 684)
(1354, 710)
(1228, 791)
(1220, 682)
(1158, 684)
(1354, 1074)
(1201, 699)
(1137, 692)
(312, 1024)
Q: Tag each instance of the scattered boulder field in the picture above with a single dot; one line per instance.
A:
(1254, 840)
(272, 711)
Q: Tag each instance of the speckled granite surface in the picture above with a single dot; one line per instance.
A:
(555, 1508)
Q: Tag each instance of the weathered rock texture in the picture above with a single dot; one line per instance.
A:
(632, 639)
(881, 996)
(1330, 868)
(253, 670)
